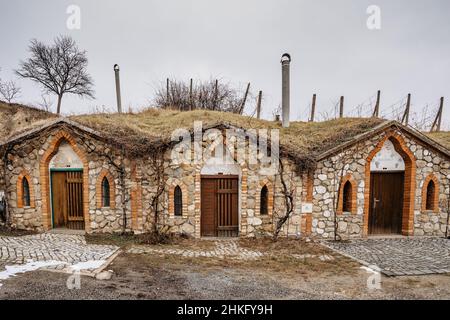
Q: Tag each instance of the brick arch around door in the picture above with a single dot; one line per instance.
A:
(44, 172)
(223, 186)
(409, 183)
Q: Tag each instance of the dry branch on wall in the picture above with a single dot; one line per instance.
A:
(288, 195)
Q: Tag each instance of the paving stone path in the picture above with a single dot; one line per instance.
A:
(69, 249)
(399, 256)
(229, 249)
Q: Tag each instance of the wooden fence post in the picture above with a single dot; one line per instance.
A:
(167, 92)
(341, 107)
(245, 99)
(191, 107)
(405, 118)
(376, 111)
(313, 108)
(438, 119)
(258, 105)
(216, 94)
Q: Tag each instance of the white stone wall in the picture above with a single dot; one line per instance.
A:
(326, 179)
(329, 171)
(251, 223)
(27, 155)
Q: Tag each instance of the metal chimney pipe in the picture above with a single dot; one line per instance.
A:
(285, 88)
(119, 100)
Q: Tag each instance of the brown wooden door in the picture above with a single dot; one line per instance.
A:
(59, 201)
(386, 203)
(67, 200)
(208, 207)
(219, 206)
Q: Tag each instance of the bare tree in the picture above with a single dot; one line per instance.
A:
(45, 103)
(59, 68)
(9, 91)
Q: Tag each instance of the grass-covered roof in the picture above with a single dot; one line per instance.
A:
(152, 128)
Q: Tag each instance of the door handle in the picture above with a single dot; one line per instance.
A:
(375, 201)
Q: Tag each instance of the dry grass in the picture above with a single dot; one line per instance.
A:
(282, 256)
(441, 137)
(15, 118)
(153, 126)
(129, 239)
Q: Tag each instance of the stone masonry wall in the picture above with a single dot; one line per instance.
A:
(353, 162)
(141, 187)
(251, 223)
(26, 156)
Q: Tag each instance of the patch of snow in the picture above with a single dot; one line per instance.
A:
(91, 264)
(11, 271)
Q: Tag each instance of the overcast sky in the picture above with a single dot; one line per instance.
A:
(239, 41)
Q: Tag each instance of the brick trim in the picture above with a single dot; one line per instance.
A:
(99, 190)
(354, 190)
(171, 196)
(136, 197)
(265, 182)
(44, 173)
(307, 196)
(22, 175)
(409, 182)
(435, 199)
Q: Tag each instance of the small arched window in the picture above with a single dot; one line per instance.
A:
(264, 205)
(431, 190)
(26, 201)
(347, 197)
(178, 201)
(106, 193)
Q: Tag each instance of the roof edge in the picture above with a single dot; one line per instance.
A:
(60, 120)
(388, 123)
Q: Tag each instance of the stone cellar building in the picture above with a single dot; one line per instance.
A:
(116, 173)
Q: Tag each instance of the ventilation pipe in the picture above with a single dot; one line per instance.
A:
(285, 90)
(119, 100)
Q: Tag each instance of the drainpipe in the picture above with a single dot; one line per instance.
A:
(285, 88)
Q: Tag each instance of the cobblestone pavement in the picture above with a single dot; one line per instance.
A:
(70, 250)
(224, 249)
(399, 256)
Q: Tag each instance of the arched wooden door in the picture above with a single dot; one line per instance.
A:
(67, 199)
(219, 206)
(386, 203)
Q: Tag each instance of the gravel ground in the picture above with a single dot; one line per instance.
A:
(149, 276)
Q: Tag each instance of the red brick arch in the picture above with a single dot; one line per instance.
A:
(354, 191)
(435, 196)
(264, 183)
(409, 182)
(24, 175)
(45, 177)
(99, 190)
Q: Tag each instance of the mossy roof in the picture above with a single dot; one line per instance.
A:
(151, 129)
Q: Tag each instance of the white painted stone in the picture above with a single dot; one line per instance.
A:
(320, 189)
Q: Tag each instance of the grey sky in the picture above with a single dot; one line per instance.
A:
(333, 51)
